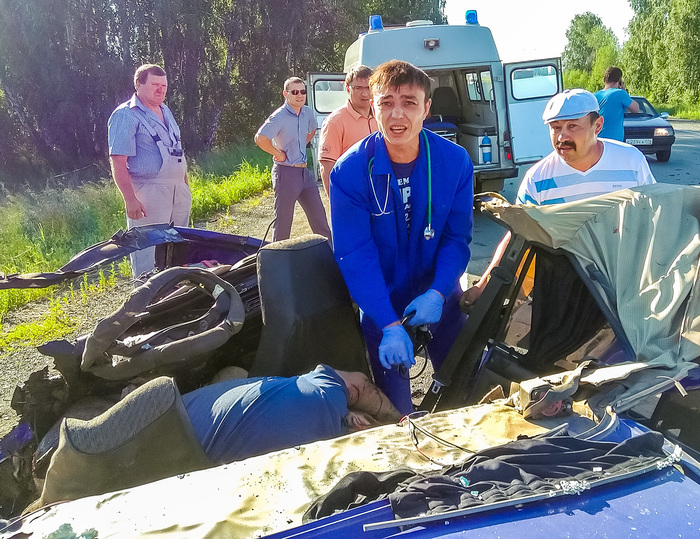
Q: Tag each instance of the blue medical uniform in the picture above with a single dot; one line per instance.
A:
(237, 419)
(385, 267)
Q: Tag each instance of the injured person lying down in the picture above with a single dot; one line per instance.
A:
(237, 419)
(150, 434)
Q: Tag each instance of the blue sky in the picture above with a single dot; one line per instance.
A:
(526, 30)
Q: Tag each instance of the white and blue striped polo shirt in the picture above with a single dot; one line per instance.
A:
(553, 181)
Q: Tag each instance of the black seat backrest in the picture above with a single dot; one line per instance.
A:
(308, 317)
(445, 103)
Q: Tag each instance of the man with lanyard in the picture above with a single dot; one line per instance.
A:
(581, 165)
(148, 163)
(348, 124)
(284, 135)
(401, 211)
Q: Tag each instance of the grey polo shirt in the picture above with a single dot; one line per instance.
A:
(127, 135)
(288, 131)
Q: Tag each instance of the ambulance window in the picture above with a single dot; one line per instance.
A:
(487, 85)
(534, 82)
(473, 88)
(329, 95)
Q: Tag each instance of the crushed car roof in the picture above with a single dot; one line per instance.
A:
(638, 251)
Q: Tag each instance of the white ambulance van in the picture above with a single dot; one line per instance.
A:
(494, 110)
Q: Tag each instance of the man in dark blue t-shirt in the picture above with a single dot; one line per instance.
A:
(237, 419)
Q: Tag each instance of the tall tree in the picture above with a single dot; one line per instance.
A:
(66, 64)
(590, 50)
(683, 70)
(580, 49)
(646, 52)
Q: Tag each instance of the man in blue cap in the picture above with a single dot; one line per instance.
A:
(581, 165)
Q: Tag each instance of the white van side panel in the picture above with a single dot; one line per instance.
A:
(326, 92)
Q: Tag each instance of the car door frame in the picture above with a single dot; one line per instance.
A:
(312, 99)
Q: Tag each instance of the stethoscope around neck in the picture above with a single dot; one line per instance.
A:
(429, 231)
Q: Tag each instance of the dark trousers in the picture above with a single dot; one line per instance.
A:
(294, 184)
(395, 382)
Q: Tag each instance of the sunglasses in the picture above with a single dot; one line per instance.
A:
(296, 92)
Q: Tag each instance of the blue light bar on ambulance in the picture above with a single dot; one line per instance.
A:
(375, 23)
(471, 17)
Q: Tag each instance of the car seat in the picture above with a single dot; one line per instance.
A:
(144, 437)
(307, 313)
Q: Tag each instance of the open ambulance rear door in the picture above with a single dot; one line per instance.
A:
(529, 85)
(325, 93)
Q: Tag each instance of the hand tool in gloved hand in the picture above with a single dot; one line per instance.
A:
(420, 336)
(396, 348)
(428, 308)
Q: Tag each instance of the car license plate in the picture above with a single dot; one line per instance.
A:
(639, 141)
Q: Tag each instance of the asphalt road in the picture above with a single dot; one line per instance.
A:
(682, 169)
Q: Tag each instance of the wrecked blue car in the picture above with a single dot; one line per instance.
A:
(567, 405)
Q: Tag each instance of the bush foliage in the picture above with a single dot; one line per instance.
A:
(660, 60)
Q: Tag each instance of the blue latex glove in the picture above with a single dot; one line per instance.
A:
(428, 308)
(396, 348)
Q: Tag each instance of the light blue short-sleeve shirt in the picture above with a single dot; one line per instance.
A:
(288, 131)
(127, 135)
(613, 104)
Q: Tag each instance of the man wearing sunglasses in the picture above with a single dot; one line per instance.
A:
(348, 124)
(284, 135)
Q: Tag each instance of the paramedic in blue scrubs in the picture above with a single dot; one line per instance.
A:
(401, 216)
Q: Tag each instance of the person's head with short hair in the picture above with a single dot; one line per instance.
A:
(151, 85)
(291, 81)
(574, 124)
(295, 93)
(357, 72)
(401, 101)
(395, 73)
(366, 399)
(612, 75)
(142, 73)
(357, 87)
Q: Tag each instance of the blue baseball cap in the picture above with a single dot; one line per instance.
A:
(570, 105)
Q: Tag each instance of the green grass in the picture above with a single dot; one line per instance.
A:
(57, 321)
(41, 231)
(212, 194)
(54, 325)
(683, 111)
(221, 162)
